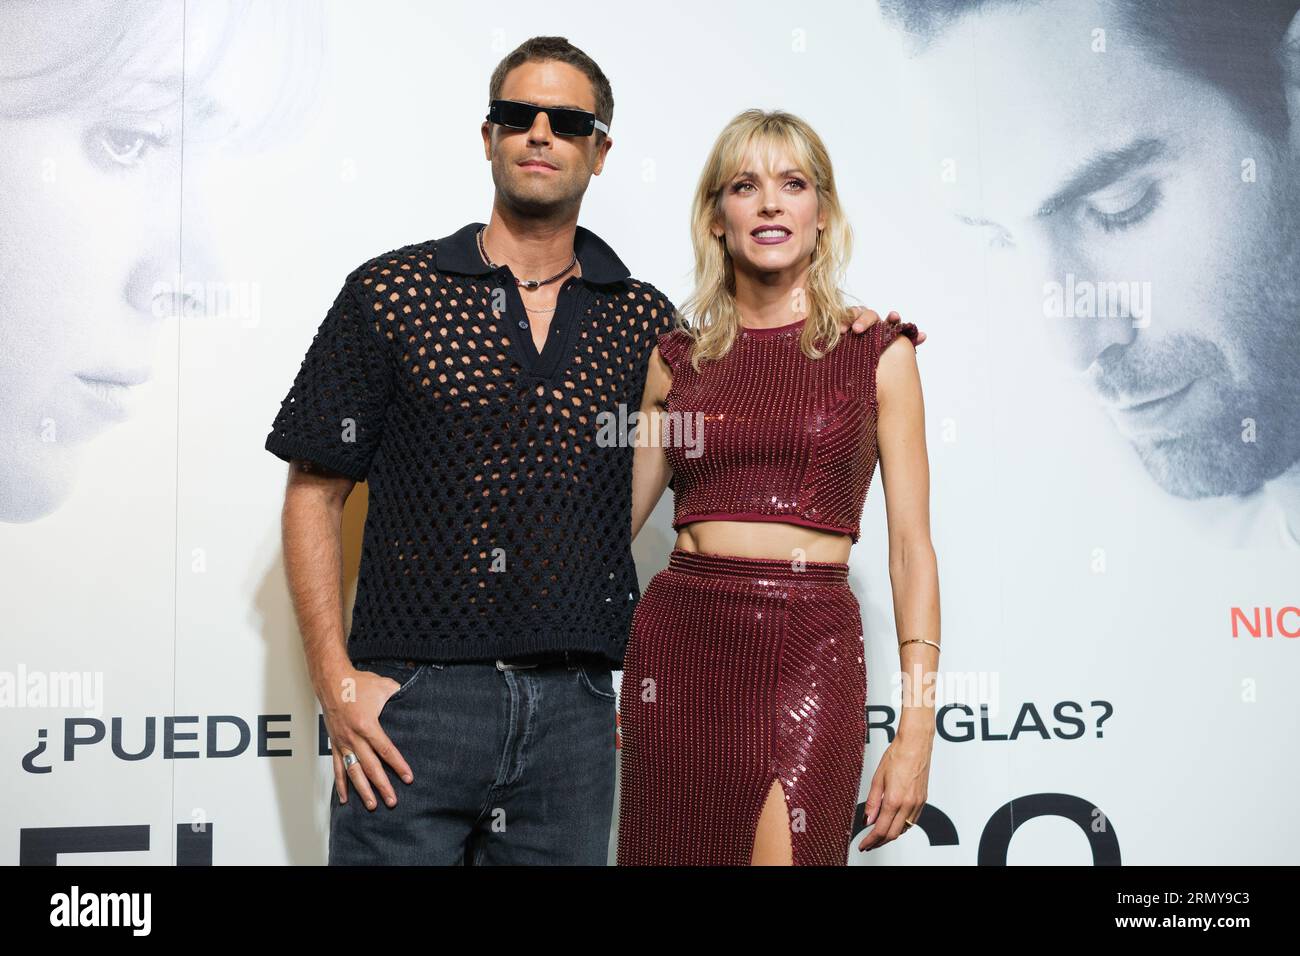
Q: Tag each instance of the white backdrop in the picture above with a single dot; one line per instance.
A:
(1099, 701)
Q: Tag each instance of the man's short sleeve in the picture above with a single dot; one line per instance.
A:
(334, 413)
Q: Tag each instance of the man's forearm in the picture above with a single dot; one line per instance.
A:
(312, 532)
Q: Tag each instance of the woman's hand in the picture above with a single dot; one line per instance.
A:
(901, 782)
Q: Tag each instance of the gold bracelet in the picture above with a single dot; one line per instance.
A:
(918, 640)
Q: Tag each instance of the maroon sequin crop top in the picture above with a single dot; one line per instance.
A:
(768, 434)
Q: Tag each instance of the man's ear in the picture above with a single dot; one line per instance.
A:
(601, 150)
(487, 140)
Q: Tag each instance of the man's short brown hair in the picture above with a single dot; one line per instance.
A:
(541, 49)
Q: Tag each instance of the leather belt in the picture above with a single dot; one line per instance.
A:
(550, 660)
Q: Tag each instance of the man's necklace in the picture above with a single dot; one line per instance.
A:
(524, 283)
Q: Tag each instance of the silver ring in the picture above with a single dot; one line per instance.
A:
(348, 760)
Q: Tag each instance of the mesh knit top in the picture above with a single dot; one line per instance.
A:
(499, 518)
(768, 434)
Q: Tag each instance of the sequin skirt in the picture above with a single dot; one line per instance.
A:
(739, 672)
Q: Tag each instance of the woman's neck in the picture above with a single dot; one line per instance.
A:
(769, 299)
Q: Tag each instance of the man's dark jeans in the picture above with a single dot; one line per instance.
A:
(512, 765)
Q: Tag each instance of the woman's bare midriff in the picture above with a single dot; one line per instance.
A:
(764, 539)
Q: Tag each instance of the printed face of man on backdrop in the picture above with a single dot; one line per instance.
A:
(1098, 165)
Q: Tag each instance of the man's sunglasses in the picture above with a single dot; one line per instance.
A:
(564, 121)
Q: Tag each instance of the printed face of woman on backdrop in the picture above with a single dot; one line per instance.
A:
(96, 228)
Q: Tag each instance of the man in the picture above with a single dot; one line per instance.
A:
(464, 380)
(1156, 156)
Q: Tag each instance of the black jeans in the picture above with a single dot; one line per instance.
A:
(511, 765)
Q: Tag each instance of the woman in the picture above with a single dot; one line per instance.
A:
(744, 687)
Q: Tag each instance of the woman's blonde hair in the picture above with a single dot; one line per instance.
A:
(715, 320)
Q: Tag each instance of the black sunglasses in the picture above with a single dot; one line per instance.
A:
(564, 121)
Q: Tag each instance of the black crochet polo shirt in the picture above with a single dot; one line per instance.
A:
(500, 479)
